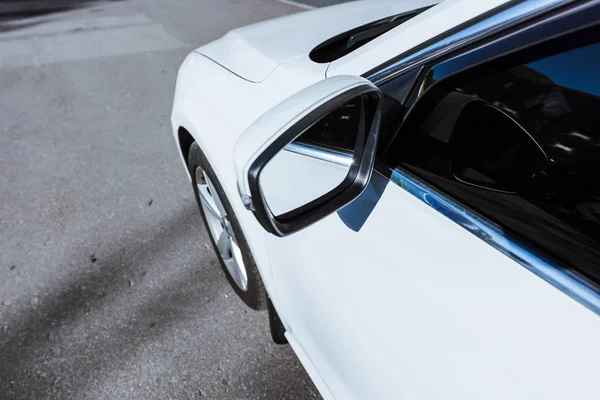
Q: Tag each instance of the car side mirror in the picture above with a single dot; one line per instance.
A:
(287, 189)
(492, 151)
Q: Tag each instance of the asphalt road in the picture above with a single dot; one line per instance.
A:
(107, 287)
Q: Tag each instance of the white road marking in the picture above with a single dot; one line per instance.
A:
(299, 5)
(71, 40)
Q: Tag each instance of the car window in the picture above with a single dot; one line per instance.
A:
(517, 140)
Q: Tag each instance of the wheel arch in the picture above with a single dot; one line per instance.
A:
(185, 140)
(186, 133)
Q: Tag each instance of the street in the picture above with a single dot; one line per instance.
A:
(108, 286)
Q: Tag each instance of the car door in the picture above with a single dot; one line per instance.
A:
(469, 267)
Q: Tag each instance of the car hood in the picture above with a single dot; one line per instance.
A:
(254, 51)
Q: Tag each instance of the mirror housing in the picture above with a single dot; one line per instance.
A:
(282, 124)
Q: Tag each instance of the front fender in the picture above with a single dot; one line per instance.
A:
(216, 106)
(206, 105)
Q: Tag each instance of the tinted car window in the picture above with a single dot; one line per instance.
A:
(519, 143)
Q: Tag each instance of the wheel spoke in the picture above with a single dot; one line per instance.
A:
(209, 202)
(239, 263)
(215, 196)
(235, 271)
(224, 246)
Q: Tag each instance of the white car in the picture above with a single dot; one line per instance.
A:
(412, 190)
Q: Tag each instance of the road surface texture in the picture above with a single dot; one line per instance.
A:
(108, 289)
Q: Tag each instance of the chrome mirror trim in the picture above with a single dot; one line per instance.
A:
(320, 153)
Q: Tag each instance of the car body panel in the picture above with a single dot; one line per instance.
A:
(306, 362)
(399, 309)
(411, 305)
(254, 51)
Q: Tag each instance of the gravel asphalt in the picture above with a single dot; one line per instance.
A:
(108, 289)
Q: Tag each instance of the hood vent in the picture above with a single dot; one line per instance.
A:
(345, 43)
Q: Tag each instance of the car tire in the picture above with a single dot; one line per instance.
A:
(204, 183)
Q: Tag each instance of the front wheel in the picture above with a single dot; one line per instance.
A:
(225, 233)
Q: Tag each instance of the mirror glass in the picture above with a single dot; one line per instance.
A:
(492, 151)
(292, 179)
(316, 162)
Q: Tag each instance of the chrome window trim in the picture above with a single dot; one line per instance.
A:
(510, 16)
(565, 281)
(332, 156)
